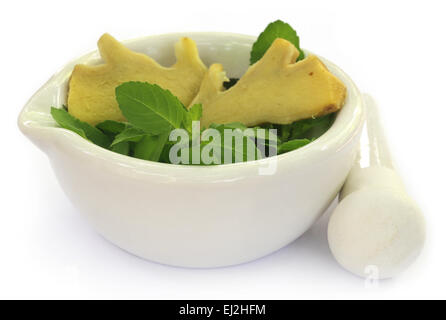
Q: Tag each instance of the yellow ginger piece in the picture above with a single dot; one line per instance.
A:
(276, 89)
(91, 95)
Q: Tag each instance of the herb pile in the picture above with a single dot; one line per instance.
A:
(153, 112)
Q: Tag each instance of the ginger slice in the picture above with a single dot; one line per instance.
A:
(91, 95)
(274, 90)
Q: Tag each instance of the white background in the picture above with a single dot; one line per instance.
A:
(394, 50)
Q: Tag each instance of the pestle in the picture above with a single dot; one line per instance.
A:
(376, 225)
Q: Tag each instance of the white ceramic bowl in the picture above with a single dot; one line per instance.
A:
(191, 215)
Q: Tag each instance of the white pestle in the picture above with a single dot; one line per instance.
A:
(376, 225)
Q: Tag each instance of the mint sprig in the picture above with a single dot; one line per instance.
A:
(311, 128)
(87, 131)
(227, 146)
(130, 134)
(151, 147)
(149, 107)
(276, 29)
(111, 128)
(193, 114)
(122, 148)
(292, 145)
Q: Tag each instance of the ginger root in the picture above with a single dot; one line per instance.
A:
(276, 89)
(91, 95)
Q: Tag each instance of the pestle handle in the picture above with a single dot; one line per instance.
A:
(374, 167)
(379, 154)
(376, 226)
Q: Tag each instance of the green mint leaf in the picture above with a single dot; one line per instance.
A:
(130, 134)
(292, 145)
(111, 127)
(276, 29)
(230, 83)
(193, 114)
(164, 156)
(149, 107)
(87, 131)
(232, 125)
(266, 141)
(196, 111)
(122, 148)
(311, 128)
(237, 155)
(268, 137)
(151, 147)
(285, 131)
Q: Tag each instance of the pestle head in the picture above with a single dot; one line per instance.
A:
(379, 228)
